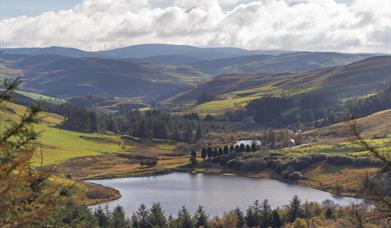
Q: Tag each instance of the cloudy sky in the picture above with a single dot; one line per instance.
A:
(321, 25)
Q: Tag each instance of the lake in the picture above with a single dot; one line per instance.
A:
(215, 192)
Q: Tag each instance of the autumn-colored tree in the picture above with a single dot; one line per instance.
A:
(24, 192)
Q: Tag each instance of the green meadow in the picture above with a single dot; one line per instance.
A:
(57, 144)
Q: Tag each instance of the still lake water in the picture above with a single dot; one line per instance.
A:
(215, 193)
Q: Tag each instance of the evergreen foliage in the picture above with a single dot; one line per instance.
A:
(295, 209)
(201, 219)
(25, 196)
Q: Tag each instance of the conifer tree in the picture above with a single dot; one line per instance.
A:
(141, 217)
(193, 158)
(118, 218)
(251, 220)
(220, 151)
(294, 209)
(209, 152)
(242, 148)
(203, 153)
(226, 150)
(240, 221)
(276, 220)
(157, 218)
(201, 219)
(214, 153)
(184, 218)
(25, 197)
(266, 214)
(102, 217)
(253, 147)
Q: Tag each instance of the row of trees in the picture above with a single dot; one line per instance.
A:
(149, 218)
(260, 214)
(213, 153)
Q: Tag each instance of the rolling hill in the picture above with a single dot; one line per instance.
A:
(355, 79)
(150, 50)
(156, 72)
(59, 144)
(61, 76)
(283, 63)
(212, 61)
(372, 126)
(63, 51)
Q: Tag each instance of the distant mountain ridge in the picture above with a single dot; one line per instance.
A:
(155, 72)
(63, 51)
(144, 51)
(212, 61)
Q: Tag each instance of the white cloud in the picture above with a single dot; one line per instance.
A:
(362, 26)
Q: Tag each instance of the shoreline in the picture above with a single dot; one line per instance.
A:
(266, 174)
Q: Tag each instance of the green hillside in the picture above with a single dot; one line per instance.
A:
(59, 145)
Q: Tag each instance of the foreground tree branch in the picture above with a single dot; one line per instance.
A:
(25, 195)
(377, 187)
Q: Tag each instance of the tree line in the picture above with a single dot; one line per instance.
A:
(296, 214)
(214, 152)
(187, 128)
(221, 154)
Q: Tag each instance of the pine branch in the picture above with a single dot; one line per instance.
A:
(8, 88)
(26, 120)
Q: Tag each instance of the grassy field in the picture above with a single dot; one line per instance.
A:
(345, 148)
(91, 155)
(41, 97)
(59, 145)
(220, 106)
(240, 98)
(330, 178)
(84, 192)
(234, 100)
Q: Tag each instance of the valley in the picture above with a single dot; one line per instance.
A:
(85, 156)
(113, 115)
(195, 114)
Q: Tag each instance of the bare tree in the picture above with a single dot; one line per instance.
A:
(377, 187)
